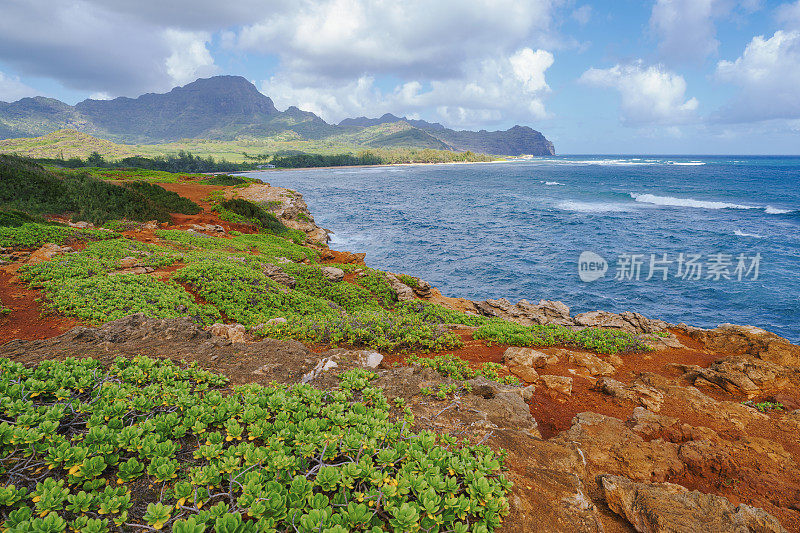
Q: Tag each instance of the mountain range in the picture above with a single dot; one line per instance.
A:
(230, 107)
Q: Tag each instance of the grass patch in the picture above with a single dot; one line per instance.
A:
(600, 340)
(79, 443)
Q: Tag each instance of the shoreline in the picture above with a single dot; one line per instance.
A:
(387, 165)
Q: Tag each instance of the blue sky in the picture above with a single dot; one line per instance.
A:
(624, 76)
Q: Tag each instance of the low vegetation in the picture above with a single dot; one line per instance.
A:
(33, 235)
(29, 187)
(154, 445)
(600, 340)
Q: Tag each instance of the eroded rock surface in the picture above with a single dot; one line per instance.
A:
(668, 508)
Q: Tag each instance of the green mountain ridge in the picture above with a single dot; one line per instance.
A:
(228, 108)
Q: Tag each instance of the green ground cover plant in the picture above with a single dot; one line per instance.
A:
(79, 444)
(380, 329)
(409, 280)
(376, 282)
(458, 369)
(103, 298)
(600, 340)
(97, 258)
(245, 294)
(33, 235)
(268, 245)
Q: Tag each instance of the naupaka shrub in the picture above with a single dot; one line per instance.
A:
(152, 443)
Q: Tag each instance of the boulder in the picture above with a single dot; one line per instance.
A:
(637, 392)
(233, 332)
(741, 375)
(525, 313)
(527, 357)
(276, 273)
(404, 292)
(332, 273)
(748, 340)
(609, 445)
(669, 508)
(627, 321)
(593, 364)
(129, 262)
(46, 253)
(557, 383)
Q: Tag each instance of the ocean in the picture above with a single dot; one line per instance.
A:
(701, 240)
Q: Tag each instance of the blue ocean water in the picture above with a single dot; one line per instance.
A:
(516, 230)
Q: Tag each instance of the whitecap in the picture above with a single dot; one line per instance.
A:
(776, 211)
(592, 207)
(672, 201)
(552, 183)
(739, 233)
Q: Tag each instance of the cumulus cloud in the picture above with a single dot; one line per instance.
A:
(347, 38)
(12, 89)
(190, 59)
(489, 91)
(768, 74)
(87, 46)
(650, 95)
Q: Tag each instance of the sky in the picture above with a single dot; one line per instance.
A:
(615, 76)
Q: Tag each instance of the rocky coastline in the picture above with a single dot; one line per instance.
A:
(699, 434)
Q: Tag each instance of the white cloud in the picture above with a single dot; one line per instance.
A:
(190, 59)
(12, 89)
(685, 29)
(348, 38)
(583, 14)
(490, 91)
(768, 74)
(789, 14)
(101, 95)
(649, 95)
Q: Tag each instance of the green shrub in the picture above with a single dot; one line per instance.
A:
(286, 458)
(27, 186)
(409, 280)
(600, 340)
(248, 212)
(458, 369)
(170, 201)
(224, 179)
(99, 201)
